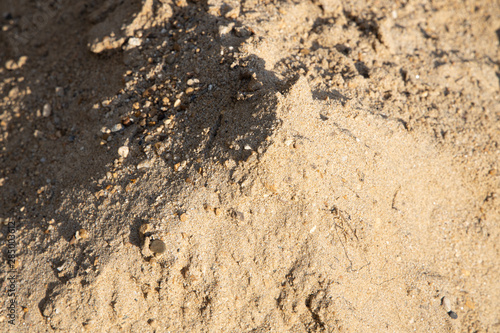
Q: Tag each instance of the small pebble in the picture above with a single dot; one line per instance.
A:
(144, 228)
(126, 121)
(134, 42)
(183, 217)
(446, 303)
(177, 103)
(123, 151)
(81, 234)
(60, 91)
(47, 110)
(144, 165)
(10, 65)
(84, 234)
(116, 128)
(157, 246)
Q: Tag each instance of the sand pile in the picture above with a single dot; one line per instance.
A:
(227, 166)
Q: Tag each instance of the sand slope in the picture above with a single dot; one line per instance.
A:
(310, 166)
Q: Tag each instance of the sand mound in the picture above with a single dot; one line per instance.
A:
(256, 166)
(292, 235)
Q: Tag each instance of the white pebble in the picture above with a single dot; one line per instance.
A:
(144, 165)
(116, 128)
(445, 301)
(47, 110)
(134, 41)
(123, 151)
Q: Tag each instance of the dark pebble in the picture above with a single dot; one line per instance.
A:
(453, 315)
(157, 246)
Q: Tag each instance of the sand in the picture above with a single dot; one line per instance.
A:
(249, 166)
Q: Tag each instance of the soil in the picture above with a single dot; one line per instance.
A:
(250, 166)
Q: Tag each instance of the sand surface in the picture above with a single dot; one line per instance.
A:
(249, 166)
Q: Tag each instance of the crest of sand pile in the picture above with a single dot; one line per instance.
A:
(302, 233)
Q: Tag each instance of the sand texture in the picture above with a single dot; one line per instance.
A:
(250, 166)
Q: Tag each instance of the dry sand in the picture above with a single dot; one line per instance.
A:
(297, 166)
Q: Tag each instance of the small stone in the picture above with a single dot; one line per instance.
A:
(157, 246)
(453, 315)
(233, 13)
(117, 128)
(218, 211)
(14, 93)
(22, 60)
(153, 323)
(207, 207)
(144, 228)
(10, 65)
(47, 110)
(83, 233)
(183, 217)
(492, 172)
(123, 151)
(60, 91)
(189, 91)
(177, 103)
(72, 241)
(134, 42)
(144, 165)
(446, 303)
(191, 82)
(126, 121)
